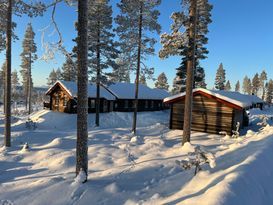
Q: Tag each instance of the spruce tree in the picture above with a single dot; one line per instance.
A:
(255, 84)
(142, 80)
(263, 78)
(177, 42)
(237, 86)
(68, 71)
(137, 20)
(101, 46)
(228, 86)
(162, 82)
(220, 78)
(28, 56)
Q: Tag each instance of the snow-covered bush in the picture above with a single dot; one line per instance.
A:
(236, 133)
(264, 121)
(30, 124)
(197, 159)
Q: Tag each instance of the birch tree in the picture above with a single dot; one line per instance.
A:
(137, 20)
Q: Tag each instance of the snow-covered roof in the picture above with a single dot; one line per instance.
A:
(235, 98)
(71, 88)
(127, 91)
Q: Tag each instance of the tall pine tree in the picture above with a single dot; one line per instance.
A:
(177, 42)
(247, 87)
(269, 91)
(101, 46)
(220, 78)
(263, 78)
(28, 56)
(136, 21)
(162, 82)
(255, 84)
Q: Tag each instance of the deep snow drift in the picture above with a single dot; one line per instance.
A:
(126, 169)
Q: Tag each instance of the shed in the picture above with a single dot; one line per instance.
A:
(63, 97)
(213, 111)
(149, 99)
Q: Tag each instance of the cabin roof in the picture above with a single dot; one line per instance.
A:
(235, 98)
(71, 89)
(127, 91)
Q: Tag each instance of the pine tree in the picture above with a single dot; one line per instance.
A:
(101, 46)
(68, 71)
(28, 57)
(220, 78)
(263, 78)
(14, 85)
(142, 80)
(247, 87)
(176, 43)
(237, 86)
(228, 86)
(255, 84)
(269, 91)
(137, 20)
(176, 86)
(162, 82)
(2, 80)
(20, 7)
(120, 71)
(54, 76)
(82, 100)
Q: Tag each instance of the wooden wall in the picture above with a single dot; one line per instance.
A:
(208, 115)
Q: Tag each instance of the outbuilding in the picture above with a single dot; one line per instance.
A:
(213, 111)
(63, 97)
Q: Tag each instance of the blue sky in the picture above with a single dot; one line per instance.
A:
(241, 37)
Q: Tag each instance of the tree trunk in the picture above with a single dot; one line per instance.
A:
(29, 87)
(138, 68)
(98, 77)
(190, 73)
(82, 105)
(7, 102)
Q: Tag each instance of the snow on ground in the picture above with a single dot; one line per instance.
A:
(127, 169)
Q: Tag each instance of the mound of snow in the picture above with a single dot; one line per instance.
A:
(112, 188)
(188, 147)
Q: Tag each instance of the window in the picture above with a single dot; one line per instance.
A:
(126, 104)
(64, 101)
(146, 104)
(57, 100)
(92, 104)
(152, 104)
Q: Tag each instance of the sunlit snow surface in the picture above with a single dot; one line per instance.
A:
(127, 169)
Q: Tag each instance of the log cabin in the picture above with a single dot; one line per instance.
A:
(63, 98)
(213, 111)
(114, 97)
(149, 99)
